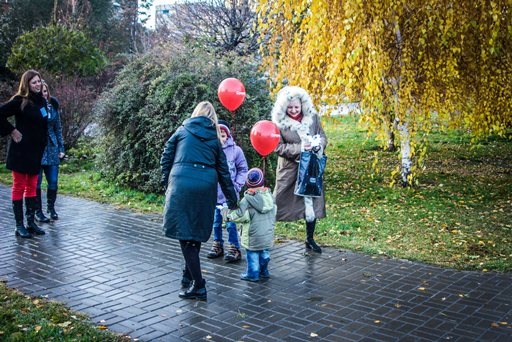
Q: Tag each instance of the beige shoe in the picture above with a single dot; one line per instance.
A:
(233, 254)
(217, 251)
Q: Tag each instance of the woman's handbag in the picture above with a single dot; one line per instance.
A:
(311, 173)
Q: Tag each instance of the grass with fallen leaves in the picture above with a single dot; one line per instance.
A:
(25, 318)
(458, 215)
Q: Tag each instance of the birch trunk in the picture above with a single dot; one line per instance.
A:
(405, 143)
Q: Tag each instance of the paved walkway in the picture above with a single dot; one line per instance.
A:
(116, 266)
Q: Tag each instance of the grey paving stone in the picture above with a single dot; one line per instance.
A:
(116, 266)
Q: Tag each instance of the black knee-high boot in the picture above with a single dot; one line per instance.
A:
(197, 289)
(30, 204)
(20, 230)
(51, 197)
(310, 242)
(39, 211)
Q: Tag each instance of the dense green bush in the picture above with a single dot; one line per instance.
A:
(152, 96)
(58, 50)
(7, 90)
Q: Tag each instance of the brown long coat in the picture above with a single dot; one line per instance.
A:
(291, 207)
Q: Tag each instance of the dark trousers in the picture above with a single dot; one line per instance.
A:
(190, 250)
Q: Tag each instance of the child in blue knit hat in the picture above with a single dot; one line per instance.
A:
(256, 214)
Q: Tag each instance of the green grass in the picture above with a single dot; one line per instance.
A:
(459, 215)
(25, 318)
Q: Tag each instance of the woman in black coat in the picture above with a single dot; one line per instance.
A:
(192, 164)
(29, 137)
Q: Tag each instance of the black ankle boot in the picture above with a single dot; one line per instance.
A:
(20, 230)
(51, 197)
(310, 242)
(40, 217)
(195, 291)
(30, 203)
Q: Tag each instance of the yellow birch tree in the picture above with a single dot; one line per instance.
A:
(411, 64)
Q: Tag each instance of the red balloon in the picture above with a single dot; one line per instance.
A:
(231, 93)
(265, 137)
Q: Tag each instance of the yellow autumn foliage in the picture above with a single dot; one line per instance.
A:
(446, 63)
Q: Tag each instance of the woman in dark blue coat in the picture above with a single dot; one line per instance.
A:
(50, 161)
(192, 164)
(29, 137)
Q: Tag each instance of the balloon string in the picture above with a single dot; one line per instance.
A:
(264, 166)
(233, 125)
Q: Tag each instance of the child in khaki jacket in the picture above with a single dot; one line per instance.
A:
(257, 215)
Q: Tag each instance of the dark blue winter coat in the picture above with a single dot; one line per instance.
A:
(25, 156)
(192, 164)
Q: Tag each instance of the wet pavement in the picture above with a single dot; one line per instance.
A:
(116, 266)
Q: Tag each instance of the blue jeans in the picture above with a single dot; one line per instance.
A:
(257, 264)
(230, 227)
(51, 173)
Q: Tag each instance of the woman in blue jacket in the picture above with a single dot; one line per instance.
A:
(192, 164)
(50, 161)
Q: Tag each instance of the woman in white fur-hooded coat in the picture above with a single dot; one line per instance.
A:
(295, 121)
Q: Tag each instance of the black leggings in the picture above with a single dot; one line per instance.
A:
(190, 250)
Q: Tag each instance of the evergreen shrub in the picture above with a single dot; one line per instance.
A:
(155, 93)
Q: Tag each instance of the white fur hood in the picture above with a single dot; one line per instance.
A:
(283, 98)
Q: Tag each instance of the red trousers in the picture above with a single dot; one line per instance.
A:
(23, 185)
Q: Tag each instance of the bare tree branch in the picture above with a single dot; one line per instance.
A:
(223, 25)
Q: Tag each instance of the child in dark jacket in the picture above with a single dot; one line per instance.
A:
(257, 215)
